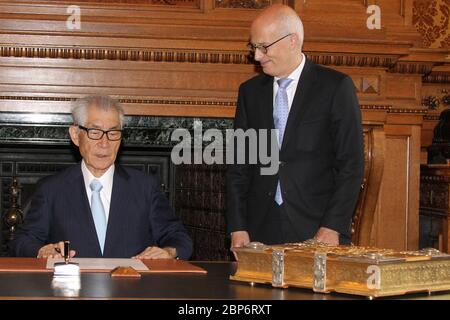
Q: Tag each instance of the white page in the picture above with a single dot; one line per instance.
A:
(101, 263)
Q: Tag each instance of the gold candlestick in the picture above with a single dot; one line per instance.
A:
(14, 215)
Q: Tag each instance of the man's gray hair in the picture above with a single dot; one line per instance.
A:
(79, 108)
(291, 23)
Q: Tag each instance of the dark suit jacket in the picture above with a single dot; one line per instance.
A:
(322, 155)
(139, 217)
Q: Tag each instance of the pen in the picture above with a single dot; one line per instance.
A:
(66, 251)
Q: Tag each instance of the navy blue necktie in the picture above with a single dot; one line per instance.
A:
(280, 116)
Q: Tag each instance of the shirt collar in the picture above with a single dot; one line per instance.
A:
(106, 179)
(295, 75)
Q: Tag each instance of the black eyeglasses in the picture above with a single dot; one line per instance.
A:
(263, 48)
(97, 134)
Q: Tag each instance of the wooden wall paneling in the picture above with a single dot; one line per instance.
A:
(403, 89)
(112, 74)
(153, 107)
(397, 222)
(347, 19)
(374, 114)
(393, 210)
(168, 88)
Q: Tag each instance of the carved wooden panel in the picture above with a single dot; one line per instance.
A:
(435, 205)
(434, 194)
(432, 20)
(200, 200)
(182, 3)
(390, 222)
(397, 220)
(127, 54)
(243, 4)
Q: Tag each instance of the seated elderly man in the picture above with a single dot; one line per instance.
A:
(103, 209)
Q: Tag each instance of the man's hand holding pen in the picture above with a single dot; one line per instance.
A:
(54, 250)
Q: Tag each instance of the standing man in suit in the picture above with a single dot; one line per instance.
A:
(102, 208)
(316, 112)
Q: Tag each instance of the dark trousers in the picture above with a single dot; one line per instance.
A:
(277, 228)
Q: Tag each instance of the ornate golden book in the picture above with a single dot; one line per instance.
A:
(365, 271)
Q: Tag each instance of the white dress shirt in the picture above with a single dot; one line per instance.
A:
(107, 182)
(292, 88)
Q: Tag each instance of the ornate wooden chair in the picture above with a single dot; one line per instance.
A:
(374, 146)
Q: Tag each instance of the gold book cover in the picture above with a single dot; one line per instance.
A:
(365, 271)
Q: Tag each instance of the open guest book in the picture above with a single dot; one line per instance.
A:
(105, 264)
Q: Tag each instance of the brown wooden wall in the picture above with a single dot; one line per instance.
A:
(188, 57)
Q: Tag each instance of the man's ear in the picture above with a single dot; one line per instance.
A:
(74, 131)
(294, 41)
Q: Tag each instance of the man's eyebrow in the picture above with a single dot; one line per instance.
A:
(116, 127)
(258, 43)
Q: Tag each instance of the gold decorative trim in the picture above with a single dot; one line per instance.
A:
(36, 98)
(132, 101)
(391, 109)
(375, 107)
(407, 110)
(180, 102)
(388, 108)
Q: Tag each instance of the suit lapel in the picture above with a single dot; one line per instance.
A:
(119, 205)
(299, 104)
(80, 203)
(266, 103)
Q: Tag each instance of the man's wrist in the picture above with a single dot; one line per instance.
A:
(172, 252)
